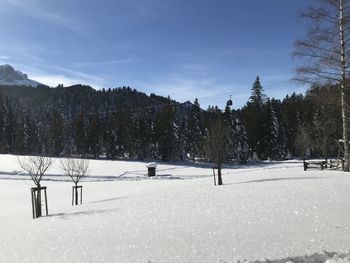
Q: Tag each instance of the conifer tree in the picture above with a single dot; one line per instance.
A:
(10, 127)
(3, 113)
(110, 137)
(240, 143)
(168, 133)
(93, 137)
(80, 135)
(56, 133)
(144, 135)
(254, 116)
(271, 132)
(193, 135)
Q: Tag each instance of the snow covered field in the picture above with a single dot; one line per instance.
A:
(268, 211)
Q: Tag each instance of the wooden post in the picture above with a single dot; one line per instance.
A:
(214, 175)
(219, 175)
(33, 204)
(36, 201)
(75, 194)
(47, 208)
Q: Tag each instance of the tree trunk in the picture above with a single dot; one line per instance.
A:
(38, 212)
(345, 111)
(76, 193)
(219, 175)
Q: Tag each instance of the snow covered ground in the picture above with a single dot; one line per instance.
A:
(267, 211)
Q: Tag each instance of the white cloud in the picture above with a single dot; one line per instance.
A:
(55, 80)
(184, 88)
(53, 75)
(37, 10)
(105, 63)
(146, 9)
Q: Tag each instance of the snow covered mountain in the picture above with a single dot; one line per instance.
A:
(10, 76)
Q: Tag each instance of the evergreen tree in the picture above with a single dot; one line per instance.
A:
(3, 113)
(56, 134)
(257, 96)
(271, 132)
(80, 135)
(144, 135)
(110, 137)
(254, 116)
(193, 134)
(93, 137)
(31, 137)
(168, 133)
(240, 143)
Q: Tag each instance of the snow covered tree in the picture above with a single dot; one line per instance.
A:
(303, 140)
(240, 142)
(144, 134)
(93, 136)
(56, 134)
(80, 134)
(254, 115)
(9, 127)
(257, 96)
(270, 142)
(193, 134)
(110, 137)
(3, 113)
(167, 133)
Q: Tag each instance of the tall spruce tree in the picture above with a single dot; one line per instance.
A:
(56, 133)
(3, 113)
(271, 133)
(168, 132)
(193, 135)
(240, 142)
(94, 136)
(80, 135)
(254, 116)
(110, 137)
(10, 124)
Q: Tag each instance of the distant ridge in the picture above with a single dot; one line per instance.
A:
(11, 77)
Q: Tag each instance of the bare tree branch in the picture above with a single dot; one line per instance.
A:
(36, 166)
(76, 169)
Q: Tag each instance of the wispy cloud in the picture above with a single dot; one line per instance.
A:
(183, 88)
(4, 57)
(52, 75)
(37, 10)
(105, 63)
(146, 8)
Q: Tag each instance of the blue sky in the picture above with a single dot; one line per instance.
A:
(182, 48)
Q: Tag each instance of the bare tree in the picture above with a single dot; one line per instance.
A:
(36, 166)
(76, 169)
(325, 51)
(217, 144)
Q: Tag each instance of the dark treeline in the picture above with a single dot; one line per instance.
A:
(125, 123)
